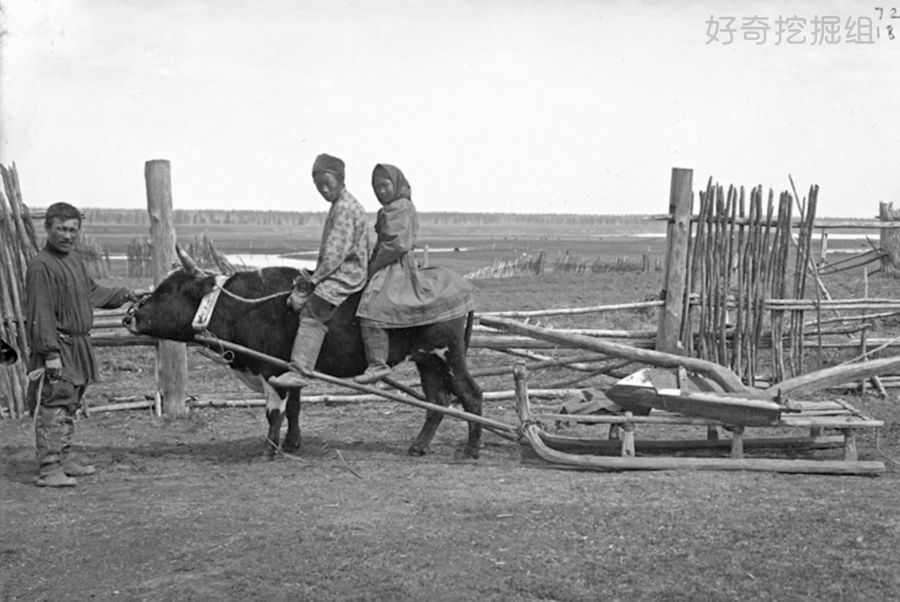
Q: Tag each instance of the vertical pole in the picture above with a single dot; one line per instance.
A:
(823, 257)
(171, 357)
(863, 338)
(681, 198)
(890, 240)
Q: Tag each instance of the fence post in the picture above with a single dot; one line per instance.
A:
(171, 357)
(890, 240)
(681, 199)
(823, 254)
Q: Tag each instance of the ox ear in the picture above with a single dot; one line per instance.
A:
(187, 261)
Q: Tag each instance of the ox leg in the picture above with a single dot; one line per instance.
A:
(469, 394)
(275, 419)
(292, 412)
(436, 392)
(275, 410)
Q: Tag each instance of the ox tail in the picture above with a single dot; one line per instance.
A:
(467, 337)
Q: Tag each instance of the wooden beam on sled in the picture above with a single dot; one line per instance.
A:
(835, 375)
(725, 378)
(504, 430)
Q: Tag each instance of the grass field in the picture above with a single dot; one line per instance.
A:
(183, 509)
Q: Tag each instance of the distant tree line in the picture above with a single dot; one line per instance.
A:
(207, 217)
(310, 218)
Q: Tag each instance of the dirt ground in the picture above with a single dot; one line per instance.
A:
(185, 509)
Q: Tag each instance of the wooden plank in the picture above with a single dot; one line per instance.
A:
(125, 405)
(236, 401)
(571, 310)
(787, 420)
(830, 422)
(612, 446)
(658, 389)
(822, 379)
(862, 224)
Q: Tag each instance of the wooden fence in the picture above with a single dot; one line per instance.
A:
(742, 254)
(750, 282)
(18, 245)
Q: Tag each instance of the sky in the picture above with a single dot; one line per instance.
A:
(524, 106)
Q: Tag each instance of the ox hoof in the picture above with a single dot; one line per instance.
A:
(269, 452)
(289, 446)
(467, 453)
(415, 450)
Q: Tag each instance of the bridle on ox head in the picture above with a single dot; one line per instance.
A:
(136, 304)
(187, 264)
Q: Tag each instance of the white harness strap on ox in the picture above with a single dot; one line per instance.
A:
(208, 305)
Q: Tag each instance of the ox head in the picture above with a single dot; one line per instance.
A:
(8, 354)
(167, 312)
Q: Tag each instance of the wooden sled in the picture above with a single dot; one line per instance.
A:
(586, 454)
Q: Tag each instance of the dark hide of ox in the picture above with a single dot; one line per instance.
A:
(438, 350)
(8, 354)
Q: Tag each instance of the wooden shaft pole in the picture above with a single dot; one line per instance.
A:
(346, 382)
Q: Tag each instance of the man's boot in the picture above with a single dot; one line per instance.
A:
(48, 441)
(378, 345)
(304, 354)
(70, 465)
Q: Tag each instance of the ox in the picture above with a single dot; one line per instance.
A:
(8, 353)
(251, 311)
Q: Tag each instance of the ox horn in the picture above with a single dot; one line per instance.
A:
(189, 265)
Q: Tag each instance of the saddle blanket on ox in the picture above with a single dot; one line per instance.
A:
(251, 311)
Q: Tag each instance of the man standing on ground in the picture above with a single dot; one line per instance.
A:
(59, 299)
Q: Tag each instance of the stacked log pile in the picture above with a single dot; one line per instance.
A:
(201, 249)
(137, 257)
(208, 258)
(18, 244)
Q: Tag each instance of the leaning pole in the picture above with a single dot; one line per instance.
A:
(171, 357)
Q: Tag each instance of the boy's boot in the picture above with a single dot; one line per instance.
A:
(48, 442)
(307, 343)
(70, 465)
(378, 345)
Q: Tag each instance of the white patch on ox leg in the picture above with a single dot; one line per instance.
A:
(274, 401)
(258, 383)
(440, 352)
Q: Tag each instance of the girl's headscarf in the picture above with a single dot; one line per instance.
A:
(401, 186)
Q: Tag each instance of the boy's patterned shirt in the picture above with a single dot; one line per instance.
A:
(343, 261)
